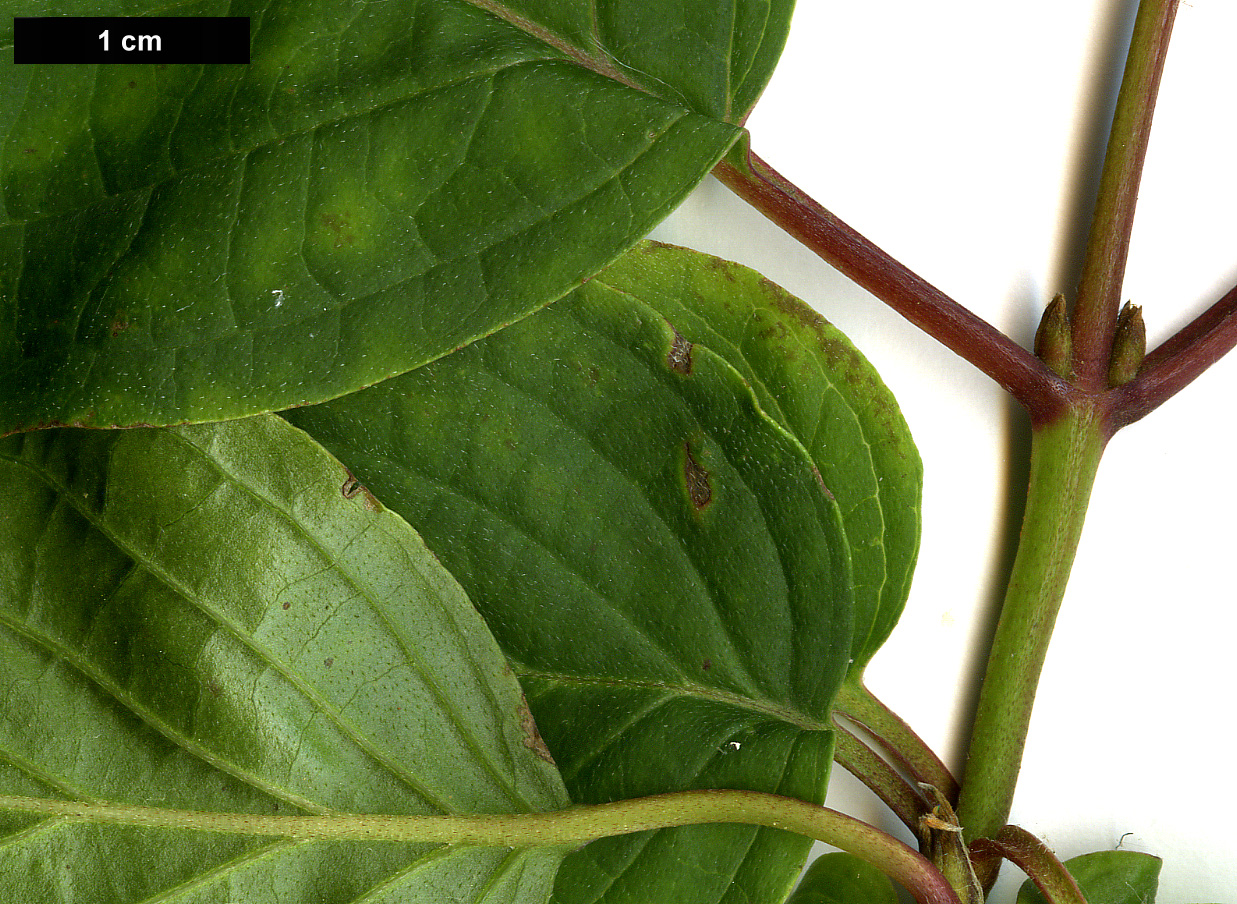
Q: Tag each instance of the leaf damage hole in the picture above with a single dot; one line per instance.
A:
(679, 359)
(699, 488)
(532, 737)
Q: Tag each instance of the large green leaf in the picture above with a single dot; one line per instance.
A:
(843, 879)
(1108, 877)
(388, 180)
(218, 618)
(657, 558)
(812, 380)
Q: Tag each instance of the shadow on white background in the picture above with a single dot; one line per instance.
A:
(963, 137)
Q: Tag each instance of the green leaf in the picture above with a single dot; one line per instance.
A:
(218, 618)
(657, 558)
(812, 380)
(843, 879)
(1108, 877)
(387, 180)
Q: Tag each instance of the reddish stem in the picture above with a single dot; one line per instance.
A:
(1179, 361)
(1023, 375)
(882, 779)
(1033, 857)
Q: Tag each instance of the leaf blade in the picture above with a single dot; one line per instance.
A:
(841, 878)
(234, 632)
(196, 244)
(1108, 877)
(658, 560)
(811, 380)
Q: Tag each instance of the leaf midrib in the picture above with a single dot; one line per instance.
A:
(687, 690)
(603, 66)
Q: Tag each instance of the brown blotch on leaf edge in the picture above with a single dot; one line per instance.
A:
(679, 359)
(352, 487)
(532, 737)
(699, 489)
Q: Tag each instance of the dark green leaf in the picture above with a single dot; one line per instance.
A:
(843, 879)
(219, 618)
(809, 378)
(656, 556)
(388, 180)
(1108, 877)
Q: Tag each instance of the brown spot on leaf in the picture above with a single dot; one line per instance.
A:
(679, 359)
(708, 664)
(118, 326)
(699, 489)
(821, 480)
(287, 606)
(341, 226)
(532, 737)
(328, 662)
(352, 487)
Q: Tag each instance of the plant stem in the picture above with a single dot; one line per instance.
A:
(1022, 374)
(881, 778)
(860, 705)
(1033, 857)
(1064, 457)
(1179, 361)
(1103, 269)
(558, 829)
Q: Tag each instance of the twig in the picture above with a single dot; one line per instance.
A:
(1022, 374)
(1178, 362)
(1103, 269)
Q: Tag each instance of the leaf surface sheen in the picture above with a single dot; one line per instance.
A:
(218, 618)
(387, 180)
(657, 558)
(809, 378)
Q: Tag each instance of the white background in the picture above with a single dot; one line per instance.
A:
(963, 136)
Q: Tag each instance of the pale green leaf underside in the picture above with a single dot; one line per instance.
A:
(657, 558)
(217, 618)
(812, 381)
(387, 181)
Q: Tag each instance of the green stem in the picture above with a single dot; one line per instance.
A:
(563, 828)
(1103, 270)
(1064, 457)
(860, 705)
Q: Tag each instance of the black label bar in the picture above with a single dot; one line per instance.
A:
(131, 39)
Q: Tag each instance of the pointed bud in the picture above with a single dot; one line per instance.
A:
(1053, 343)
(1129, 346)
